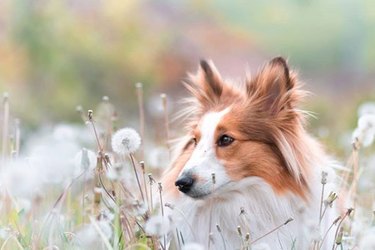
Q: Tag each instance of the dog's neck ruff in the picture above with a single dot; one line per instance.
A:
(253, 206)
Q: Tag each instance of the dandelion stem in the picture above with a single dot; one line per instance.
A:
(8, 239)
(166, 119)
(126, 225)
(273, 230)
(350, 163)
(5, 126)
(136, 176)
(326, 233)
(162, 209)
(90, 115)
(100, 232)
(321, 206)
(339, 225)
(178, 239)
(213, 179)
(139, 88)
(59, 199)
(105, 189)
(239, 231)
(324, 182)
(142, 164)
(17, 137)
(151, 180)
(79, 109)
(161, 198)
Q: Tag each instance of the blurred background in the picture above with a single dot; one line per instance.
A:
(56, 55)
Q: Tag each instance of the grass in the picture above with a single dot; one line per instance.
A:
(109, 203)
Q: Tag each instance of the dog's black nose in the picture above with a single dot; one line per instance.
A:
(184, 183)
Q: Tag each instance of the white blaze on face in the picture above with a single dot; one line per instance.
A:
(203, 162)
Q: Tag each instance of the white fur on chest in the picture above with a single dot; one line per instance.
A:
(263, 210)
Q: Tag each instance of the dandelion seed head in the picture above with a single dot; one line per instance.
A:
(21, 180)
(328, 175)
(155, 105)
(139, 208)
(247, 237)
(85, 160)
(157, 225)
(126, 141)
(366, 108)
(169, 205)
(63, 132)
(88, 237)
(365, 131)
(239, 230)
(138, 85)
(79, 108)
(324, 178)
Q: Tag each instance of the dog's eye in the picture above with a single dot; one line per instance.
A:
(224, 140)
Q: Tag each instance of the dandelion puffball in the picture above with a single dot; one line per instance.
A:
(126, 141)
(157, 225)
(85, 160)
(365, 132)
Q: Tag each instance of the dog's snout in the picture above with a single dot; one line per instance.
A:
(184, 183)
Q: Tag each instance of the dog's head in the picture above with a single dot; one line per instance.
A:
(242, 130)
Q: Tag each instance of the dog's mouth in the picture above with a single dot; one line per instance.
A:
(198, 195)
(203, 192)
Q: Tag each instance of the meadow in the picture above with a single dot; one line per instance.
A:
(87, 176)
(95, 186)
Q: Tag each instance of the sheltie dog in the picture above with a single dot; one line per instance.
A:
(247, 170)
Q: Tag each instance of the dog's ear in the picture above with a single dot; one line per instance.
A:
(207, 84)
(210, 78)
(273, 86)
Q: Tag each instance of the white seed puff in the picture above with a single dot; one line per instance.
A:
(126, 141)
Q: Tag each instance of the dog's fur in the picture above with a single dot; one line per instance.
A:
(269, 173)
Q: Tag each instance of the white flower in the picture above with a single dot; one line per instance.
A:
(261, 246)
(84, 160)
(126, 141)
(157, 225)
(365, 131)
(192, 246)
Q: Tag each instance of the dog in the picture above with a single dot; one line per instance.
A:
(247, 172)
